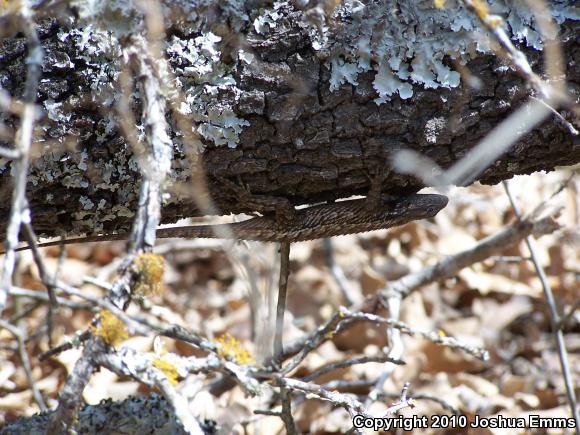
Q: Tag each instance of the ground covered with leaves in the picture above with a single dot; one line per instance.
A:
(497, 304)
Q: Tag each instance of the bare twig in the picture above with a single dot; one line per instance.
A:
(19, 212)
(346, 401)
(493, 244)
(74, 342)
(352, 406)
(555, 320)
(286, 413)
(155, 165)
(433, 337)
(421, 396)
(348, 363)
(19, 292)
(344, 318)
(180, 406)
(133, 326)
(46, 279)
(392, 303)
(69, 398)
(156, 161)
(282, 289)
(557, 114)
(350, 296)
(566, 318)
(345, 384)
(304, 346)
(23, 355)
(494, 23)
(8, 153)
(128, 362)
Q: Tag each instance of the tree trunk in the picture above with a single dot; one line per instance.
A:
(274, 128)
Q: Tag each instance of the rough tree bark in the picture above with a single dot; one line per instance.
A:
(295, 138)
(280, 114)
(134, 415)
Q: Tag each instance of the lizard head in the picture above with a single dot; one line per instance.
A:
(417, 206)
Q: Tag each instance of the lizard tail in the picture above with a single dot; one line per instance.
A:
(89, 239)
(219, 231)
(199, 231)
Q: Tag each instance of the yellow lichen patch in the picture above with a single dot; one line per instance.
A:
(149, 269)
(481, 9)
(330, 335)
(110, 329)
(439, 4)
(5, 6)
(231, 349)
(168, 368)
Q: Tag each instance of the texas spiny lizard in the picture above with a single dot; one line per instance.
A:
(316, 222)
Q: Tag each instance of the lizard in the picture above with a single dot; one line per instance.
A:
(315, 222)
(310, 223)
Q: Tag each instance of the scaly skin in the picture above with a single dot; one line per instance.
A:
(316, 222)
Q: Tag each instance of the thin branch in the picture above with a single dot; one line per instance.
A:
(349, 403)
(46, 279)
(555, 320)
(566, 318)
(493, 23)
(567, 124)
(156, 161)
(304, 346)
(348, 363)
(19, 292)
(133, 326)
(420, 396)
(8, 153)
(282, 290)
(19, 212)
(350, 296)
(482, 250)
(69, 398)
(345, 317)
(433, 337)
(72, 343)
(286, 413)
(392, 302)
(25, 360)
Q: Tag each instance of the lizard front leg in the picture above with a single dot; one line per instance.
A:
(278, 206)
(374, 194)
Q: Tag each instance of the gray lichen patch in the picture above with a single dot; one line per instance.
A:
(208, 87)
(412, 43)
(269, 93)
(433, 127)
(87, 203)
